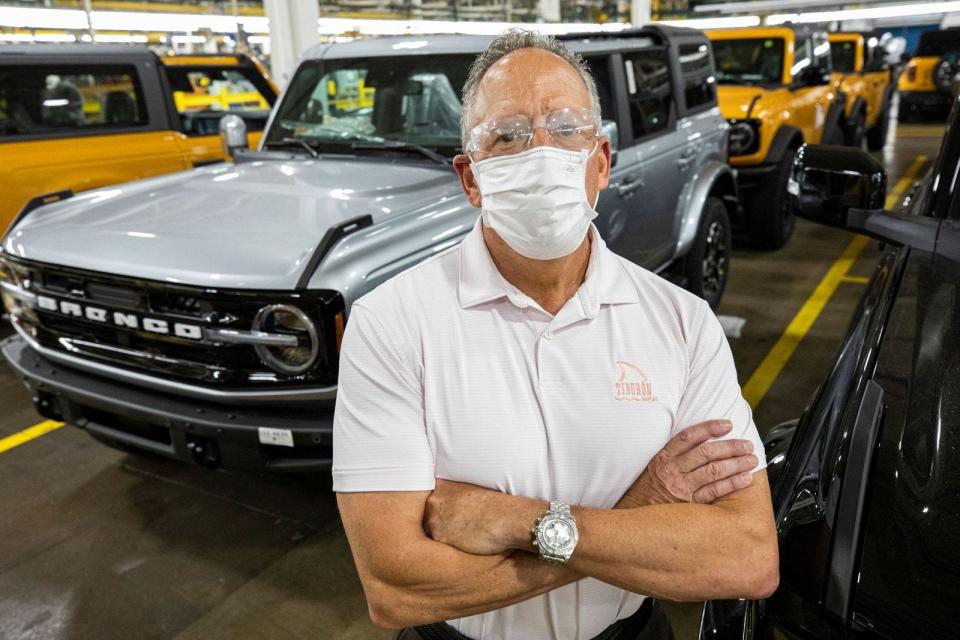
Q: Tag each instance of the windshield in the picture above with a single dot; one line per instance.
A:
(939, 43)
(843, 54)
(405, 99)
(749, 61)
(203, 93)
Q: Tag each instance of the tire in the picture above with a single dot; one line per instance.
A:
(835, 136)
(707, 264)
(877, 134)
(769, 210)
(855, 130)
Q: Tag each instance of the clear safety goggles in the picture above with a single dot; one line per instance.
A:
(573, 129)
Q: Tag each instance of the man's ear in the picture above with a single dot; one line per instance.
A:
(461, 164)
(603, 157)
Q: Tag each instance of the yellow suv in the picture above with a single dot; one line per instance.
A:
(775, 89)
(928, 81)
(861, 72)
(79, 117)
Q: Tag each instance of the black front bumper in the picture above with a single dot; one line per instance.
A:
(924, 101)
(213, 435)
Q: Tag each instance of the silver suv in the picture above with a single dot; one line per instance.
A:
(198, 315)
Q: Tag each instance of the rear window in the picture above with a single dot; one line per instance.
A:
(844, 55)
(202, 94)
(69, 99)
(939, 43)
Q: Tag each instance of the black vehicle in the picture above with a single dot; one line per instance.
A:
(866, 484)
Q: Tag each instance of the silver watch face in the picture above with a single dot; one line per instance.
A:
(557, 535)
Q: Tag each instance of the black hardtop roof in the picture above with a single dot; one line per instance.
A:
(79, 50)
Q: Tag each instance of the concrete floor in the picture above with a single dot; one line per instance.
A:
(98, 544)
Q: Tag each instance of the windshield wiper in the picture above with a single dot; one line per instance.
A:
(289, 142)
(403, 146)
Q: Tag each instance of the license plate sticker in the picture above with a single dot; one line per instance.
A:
(282, 437)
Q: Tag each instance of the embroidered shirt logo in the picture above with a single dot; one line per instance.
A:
(633, 384)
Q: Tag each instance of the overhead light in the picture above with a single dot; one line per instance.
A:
(16, 37)
(714, 23)
(365, 26)
(43, 18)
(867, 13)
(259, 39)
(110, 38)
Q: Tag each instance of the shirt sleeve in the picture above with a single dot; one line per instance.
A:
(712, 391)
(379, 432)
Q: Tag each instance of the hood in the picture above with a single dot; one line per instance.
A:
(739, 101)
(249, 226)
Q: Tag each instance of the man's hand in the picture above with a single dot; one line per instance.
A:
(475, 519)
(691, 469)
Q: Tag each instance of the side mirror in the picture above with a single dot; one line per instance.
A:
(829, 180)
(608, 128)
(233, 134)
(845, 187)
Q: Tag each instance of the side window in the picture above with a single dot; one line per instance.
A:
(600, 70)
(648, 90)
(202, 94)
(698, 80)
(821, 53)
(69, 99)
(802, 56)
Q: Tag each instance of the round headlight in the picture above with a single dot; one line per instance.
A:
(741, 136)
(287, 319)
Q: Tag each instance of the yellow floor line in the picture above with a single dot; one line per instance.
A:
(856, 279)
(778, 356)
(28, 434)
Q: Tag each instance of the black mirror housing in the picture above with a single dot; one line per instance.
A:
(828, 181)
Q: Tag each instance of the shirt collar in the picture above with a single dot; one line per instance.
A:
(606, 281)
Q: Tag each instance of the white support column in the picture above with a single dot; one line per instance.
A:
(639, 12)
(293, 29)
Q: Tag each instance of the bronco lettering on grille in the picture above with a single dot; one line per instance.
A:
(121, 319)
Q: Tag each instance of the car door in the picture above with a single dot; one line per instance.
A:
(79, 124)
(651, 154)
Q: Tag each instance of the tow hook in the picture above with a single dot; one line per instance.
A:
(204, 451)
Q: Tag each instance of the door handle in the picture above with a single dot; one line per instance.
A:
(629, 186)
(685, 161)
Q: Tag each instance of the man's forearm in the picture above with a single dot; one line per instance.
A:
(679, 552)
(443, 583)
(676, 551)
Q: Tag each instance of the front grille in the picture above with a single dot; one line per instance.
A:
(196, 361)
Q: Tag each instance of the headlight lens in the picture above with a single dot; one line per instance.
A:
(287, 319)
(743, 137)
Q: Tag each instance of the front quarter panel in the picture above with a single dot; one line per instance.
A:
(365, 259)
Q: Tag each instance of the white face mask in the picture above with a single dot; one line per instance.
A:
(537, 200)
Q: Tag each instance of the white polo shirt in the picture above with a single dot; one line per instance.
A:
(449, 371)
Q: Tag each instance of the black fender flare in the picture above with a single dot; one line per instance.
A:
(859, 104)
(832, 121)
(36, 203)
(787, 137)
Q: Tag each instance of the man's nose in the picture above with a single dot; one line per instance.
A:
(540, 137)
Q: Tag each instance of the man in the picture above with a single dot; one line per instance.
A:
(530, 384)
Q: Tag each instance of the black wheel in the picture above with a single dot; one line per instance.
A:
(854, 130)
(769, 210)
(706, 266)
(877, 134)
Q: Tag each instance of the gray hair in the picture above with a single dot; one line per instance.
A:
(506, 43)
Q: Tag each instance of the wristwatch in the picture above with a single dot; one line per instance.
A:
(555, 534)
